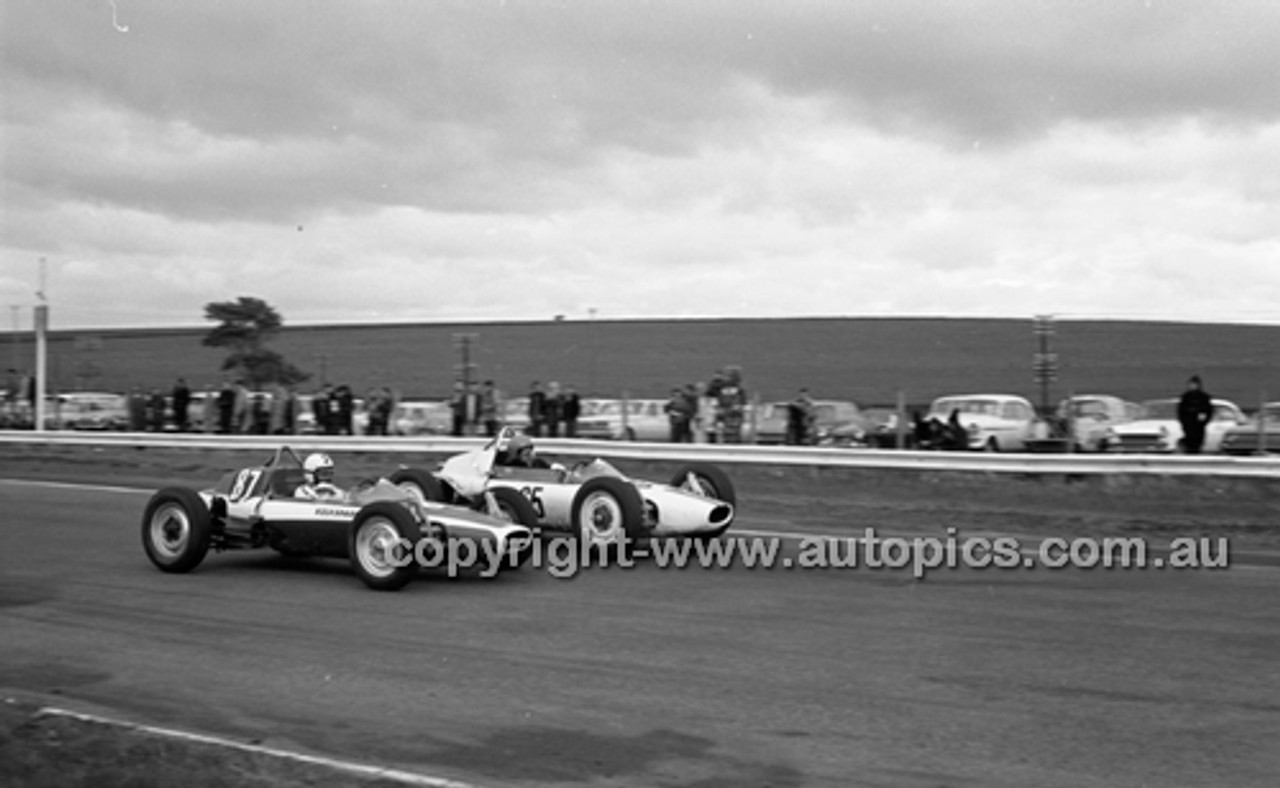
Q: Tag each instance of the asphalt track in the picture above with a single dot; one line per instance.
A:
(645, 676)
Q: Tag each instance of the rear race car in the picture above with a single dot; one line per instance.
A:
(592, 500)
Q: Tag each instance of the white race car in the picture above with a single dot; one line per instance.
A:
(592, 500)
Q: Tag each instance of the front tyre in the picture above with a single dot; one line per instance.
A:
(707, 481)
(176, 529)
(381, 546)
(515, 508)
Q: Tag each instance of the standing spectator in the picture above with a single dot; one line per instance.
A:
(458, 408)
(702, 412)
(537, 409)
(209, 409)
(277, 416)
(242, 415)
(226, 408)
(551, 410)
(155, 408)
(570, 410)
(321, 407)
(489, 406)
(181, 402)
(291, 411)
(345, 411)
(679, 416)
(800, 419)
(379, 403)
(12, 393)
(1195, 410)
(731, 405)
(137, 410)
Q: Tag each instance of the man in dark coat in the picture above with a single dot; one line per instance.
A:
(181, 404)
(1195, 409)
(570, 410)
(537, 409)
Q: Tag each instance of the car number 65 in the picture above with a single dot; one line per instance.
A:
(534, 494)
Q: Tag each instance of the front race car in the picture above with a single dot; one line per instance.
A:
(386, 534)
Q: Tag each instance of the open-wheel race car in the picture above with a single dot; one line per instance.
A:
(592, 499)
(376, 525)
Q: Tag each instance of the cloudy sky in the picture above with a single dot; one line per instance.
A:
(405, 160)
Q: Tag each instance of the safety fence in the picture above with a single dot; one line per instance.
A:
(818, 457)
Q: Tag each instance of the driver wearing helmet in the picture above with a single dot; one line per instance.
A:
(519, 453)
(319, 484)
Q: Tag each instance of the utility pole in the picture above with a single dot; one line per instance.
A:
(42, 330)
(16, 329)
(1044, 364)
(464, 369)
(591, 353)
(464, 343)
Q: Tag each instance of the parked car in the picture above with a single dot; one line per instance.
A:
(881, 425)
(1091, 417)
(835, 423)
(992, 422)
(1159, 431)
(644, 420)
(1258, 435)
(88, 410)
(422, 418)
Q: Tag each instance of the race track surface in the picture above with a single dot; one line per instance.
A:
(649, 676)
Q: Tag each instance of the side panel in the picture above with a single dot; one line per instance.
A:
(552, 501)
(317, 528)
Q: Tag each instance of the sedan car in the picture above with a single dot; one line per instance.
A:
(629, 420)
(835, 423)
(1159, 431)
(992, 422)
(89, 410)
(1259, 435)
(422, 418)
(1092, 416)
(376, 526)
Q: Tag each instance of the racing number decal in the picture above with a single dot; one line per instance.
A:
(246, 480)
(534, 494)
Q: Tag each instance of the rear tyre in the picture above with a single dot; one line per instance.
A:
(176, 530)
(608, 516)
(381, 546)
(419, 484)
(514, 507)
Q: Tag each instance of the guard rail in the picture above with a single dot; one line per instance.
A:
(1069, 464)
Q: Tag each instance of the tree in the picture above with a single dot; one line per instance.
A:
(245, 326)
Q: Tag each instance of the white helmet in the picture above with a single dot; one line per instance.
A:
(319, 468)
